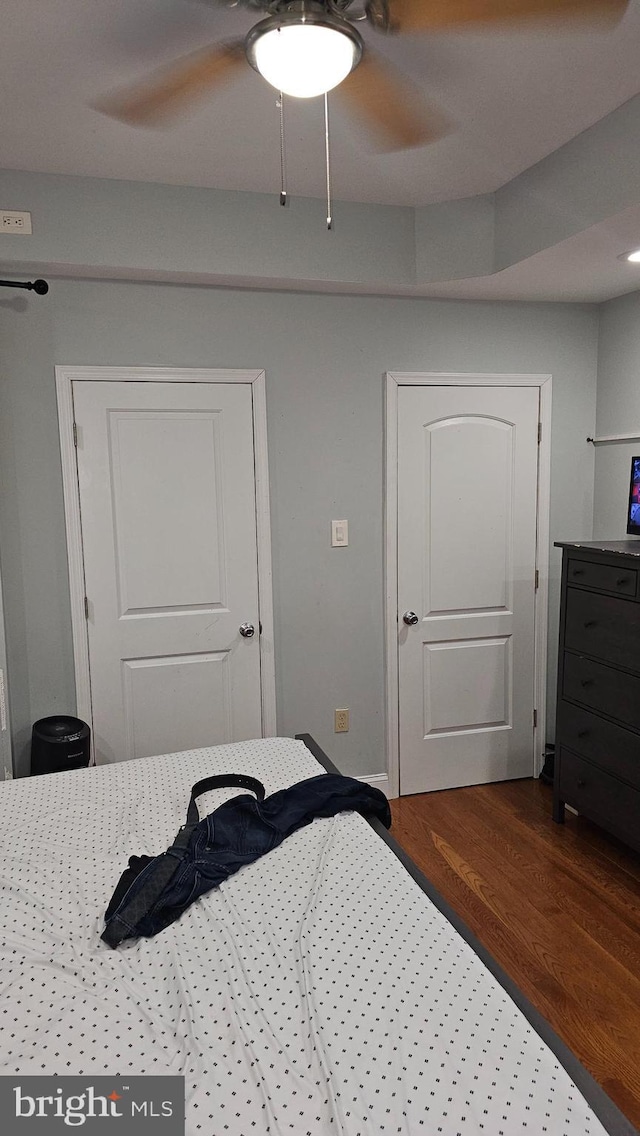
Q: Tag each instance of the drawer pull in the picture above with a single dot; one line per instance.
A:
(590, 623)
(581, 783)
(583, 733)
(585, 682)
(578, 572)
(621, 581)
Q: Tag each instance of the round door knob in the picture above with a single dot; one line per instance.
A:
(247, 630)
(410, 618)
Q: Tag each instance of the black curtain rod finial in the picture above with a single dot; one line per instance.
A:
(40, 287)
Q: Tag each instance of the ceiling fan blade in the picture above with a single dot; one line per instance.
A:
(153, 102)
(427, 15)
(391, 106)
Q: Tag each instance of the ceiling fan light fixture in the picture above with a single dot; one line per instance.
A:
(304, 55)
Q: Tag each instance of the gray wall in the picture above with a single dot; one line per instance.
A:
(324, 357)
(106, 227)
(618, 412)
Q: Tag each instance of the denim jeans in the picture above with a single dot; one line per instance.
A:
(154, 891)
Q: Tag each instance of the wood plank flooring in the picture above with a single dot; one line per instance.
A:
(557, 906)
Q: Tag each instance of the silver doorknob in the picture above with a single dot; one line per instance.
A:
(410, 618)
(247, 630)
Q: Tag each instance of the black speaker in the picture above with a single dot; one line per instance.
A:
(58, 743)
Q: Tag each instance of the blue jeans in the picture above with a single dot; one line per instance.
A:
(154, 891)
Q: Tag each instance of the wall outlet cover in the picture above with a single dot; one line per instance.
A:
(341, 721)
(16, 222)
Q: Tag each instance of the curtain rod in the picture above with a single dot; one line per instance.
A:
(39, 286)
(615, 438)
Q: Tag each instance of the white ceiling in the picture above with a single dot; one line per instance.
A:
(516, 97)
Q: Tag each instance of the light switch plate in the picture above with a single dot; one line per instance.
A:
(339, 534)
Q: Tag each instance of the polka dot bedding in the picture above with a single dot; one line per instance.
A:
(317, 991)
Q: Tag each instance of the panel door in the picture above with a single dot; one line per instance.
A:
(467, 505)
(167, 501)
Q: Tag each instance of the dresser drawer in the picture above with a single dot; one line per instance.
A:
(611, 747)
(605, 626)
(599, 796)
(602, 688)
(603, 577)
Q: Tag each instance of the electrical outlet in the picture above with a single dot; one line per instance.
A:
(12, 221)
(341, 721)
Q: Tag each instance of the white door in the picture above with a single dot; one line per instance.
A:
(168, 515)
(467, 505)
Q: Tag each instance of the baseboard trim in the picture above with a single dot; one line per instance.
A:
(378, 781)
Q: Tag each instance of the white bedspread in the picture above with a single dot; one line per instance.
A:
(318, 991)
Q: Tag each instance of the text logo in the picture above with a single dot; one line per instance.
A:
(134, 1106)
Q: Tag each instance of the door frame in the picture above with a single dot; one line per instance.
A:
(65, 377)
(394, 380)
(6, 744)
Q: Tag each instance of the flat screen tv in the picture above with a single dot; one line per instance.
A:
(633, 519)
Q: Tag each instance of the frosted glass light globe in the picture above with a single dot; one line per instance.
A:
(304, 60)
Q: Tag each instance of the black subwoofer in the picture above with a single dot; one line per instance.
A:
(58, 743)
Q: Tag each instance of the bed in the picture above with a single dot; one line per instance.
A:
(325, 988)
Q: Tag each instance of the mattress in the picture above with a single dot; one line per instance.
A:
(317, 991)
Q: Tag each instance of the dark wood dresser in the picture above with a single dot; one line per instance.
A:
(597, 765)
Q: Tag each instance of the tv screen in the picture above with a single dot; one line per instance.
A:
(633, 521)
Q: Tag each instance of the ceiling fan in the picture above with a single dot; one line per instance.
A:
(308, 47)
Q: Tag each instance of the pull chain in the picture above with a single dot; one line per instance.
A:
(327, 159)
(283, 155)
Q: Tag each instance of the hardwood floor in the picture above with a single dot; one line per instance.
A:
(557, 906)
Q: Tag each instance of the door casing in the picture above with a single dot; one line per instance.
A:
(6, 746)
(65, 377)
(394, 380)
